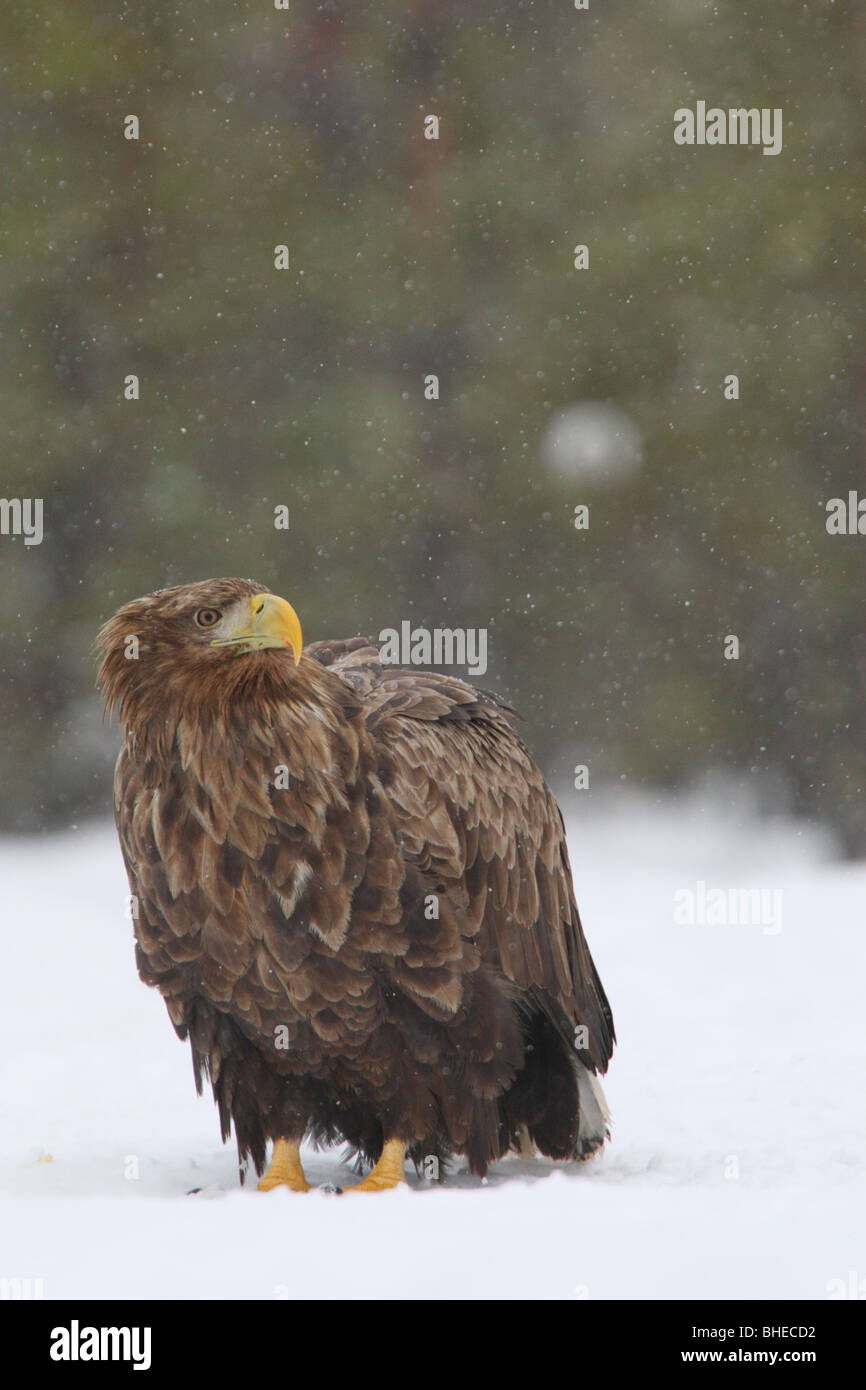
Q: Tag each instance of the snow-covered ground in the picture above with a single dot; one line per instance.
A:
(735, 1167)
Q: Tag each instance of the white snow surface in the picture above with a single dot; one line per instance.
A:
(735, 1167)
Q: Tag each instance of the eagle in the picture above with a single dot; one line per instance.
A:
(350, 885)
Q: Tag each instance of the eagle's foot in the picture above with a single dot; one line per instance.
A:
(388, 1172)
(286, 1169)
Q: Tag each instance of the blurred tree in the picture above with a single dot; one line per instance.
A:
(408, 256)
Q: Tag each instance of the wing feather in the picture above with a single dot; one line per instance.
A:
(476, 817)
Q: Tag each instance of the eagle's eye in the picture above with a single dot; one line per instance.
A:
(207, 617)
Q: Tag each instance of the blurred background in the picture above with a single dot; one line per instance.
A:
(558, 387)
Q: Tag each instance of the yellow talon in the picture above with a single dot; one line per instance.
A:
(286, 1169)
(388, 1172)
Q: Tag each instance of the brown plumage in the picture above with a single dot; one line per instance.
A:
(353, 889)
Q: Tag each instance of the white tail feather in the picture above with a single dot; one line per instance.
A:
(594, 1126)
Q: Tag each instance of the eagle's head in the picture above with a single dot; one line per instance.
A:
(190, 640)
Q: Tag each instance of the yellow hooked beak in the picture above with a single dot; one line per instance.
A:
(273, 623)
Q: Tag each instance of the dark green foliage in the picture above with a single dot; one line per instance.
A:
(408, 256)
